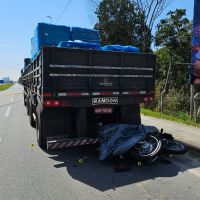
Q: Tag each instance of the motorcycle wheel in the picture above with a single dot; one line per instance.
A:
(174, 147)
(147, 149)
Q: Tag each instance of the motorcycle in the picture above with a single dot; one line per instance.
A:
(155, 144)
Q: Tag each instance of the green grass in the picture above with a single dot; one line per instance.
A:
(5, 86)
(178, 117)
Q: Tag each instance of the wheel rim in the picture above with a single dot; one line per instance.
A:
(150, 147)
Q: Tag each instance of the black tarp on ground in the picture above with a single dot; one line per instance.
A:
(117, 139)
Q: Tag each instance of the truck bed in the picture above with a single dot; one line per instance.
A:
(83, 73)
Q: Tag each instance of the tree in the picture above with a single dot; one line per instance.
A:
(120, 23)
(173, 38)
(151, 10)
(178, 71)
(147, 12)
(174, 33)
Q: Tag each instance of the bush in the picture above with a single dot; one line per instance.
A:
(174, 101)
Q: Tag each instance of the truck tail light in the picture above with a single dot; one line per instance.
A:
(47, 94)
(52, 103)
(148, 99)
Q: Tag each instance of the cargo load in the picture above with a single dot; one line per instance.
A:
(117, 47)
(79, 44)
(85, 35)
(48, 35)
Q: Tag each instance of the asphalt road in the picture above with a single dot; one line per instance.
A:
(29, 173)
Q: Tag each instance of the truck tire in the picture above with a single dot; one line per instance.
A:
(31, 119)
(174, 147)
(27, 105)
(24, 100)
(40, 133)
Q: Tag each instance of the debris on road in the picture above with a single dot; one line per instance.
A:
(32, 147)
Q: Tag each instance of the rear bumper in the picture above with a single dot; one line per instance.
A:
(60, 143)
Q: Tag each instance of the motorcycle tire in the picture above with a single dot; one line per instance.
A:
(148, 149)
(174, 147)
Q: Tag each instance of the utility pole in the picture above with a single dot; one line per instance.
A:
(165, 86)
(191, 101)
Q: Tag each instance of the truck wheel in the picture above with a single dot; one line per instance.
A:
(174, 147)
(27, 105)
(31, 119)
(40, 123)
(149, 148)
(24, 100)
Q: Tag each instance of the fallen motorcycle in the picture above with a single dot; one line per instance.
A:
(150, 149)
(143, 143)
(172, 146)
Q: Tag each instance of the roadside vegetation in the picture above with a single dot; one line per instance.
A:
(5, 86)
(178, 117)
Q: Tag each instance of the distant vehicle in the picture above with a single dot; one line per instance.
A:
(6, 80)
(69, 92)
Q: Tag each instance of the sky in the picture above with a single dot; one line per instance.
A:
(18, 19)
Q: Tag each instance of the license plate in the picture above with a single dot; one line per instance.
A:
(103, 110)
(105, 101)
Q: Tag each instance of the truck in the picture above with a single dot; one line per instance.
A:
(69, 93)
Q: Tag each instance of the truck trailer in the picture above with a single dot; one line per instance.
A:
(70, 92)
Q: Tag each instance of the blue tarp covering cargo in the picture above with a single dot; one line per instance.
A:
(85, 35)
(117, 139)
(79, 44)
(48, 35)
(116, 47)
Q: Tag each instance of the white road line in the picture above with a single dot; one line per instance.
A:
(11, 99)
(8, 111)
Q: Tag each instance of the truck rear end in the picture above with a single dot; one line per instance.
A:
(70, 92)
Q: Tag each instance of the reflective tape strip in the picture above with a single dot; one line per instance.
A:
(83, 142)
(125, 93)
(105, 93)
(73, 94)
(134, 92)
(115, 93)
(96, 93)
(71, 143)
(143, 92)
(62, 145)
(97, 140)
(62, 94)
(54, 146)
(76, 143)
(84, 94)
